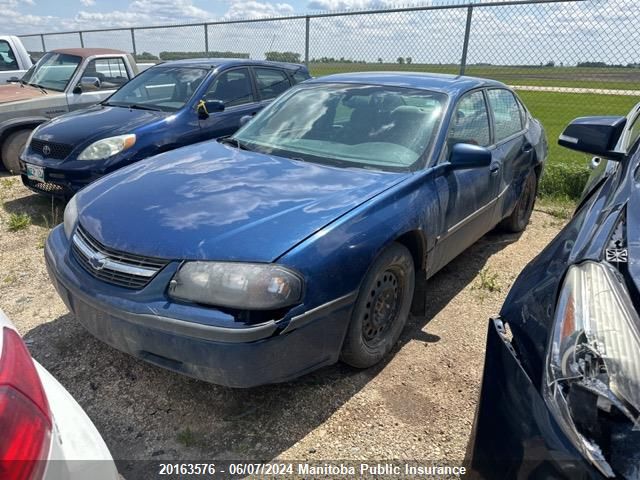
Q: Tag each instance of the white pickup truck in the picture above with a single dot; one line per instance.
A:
(14, 58)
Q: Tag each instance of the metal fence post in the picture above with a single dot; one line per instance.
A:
(133, 41)
(206, 38)
(465, 46)
(81, 40)
(44, 49)
(306, 41)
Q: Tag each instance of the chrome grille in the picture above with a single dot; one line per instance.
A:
(57, 151)
(112, 266)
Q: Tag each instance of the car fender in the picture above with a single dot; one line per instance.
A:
(405, 213)
(9, 126)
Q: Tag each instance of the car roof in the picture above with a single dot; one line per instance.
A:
(426, 81)
(89, 52)
(229, 62)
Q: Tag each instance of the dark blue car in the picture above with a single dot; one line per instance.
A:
(561, 390)
(167, 106)
(307, 236)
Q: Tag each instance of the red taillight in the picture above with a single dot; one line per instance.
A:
(25, 420)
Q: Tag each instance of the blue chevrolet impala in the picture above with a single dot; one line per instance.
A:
(305, 238)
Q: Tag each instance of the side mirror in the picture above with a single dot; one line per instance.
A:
(207, 107)
(87, 84)
(245, 119)
(594, 135)
(465, 155)
(13, 80)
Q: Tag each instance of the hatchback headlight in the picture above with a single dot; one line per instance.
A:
(593, 362)
(108, 147)
(247, 286)
(70, 216)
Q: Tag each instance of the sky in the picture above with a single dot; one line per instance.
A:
(569, 32)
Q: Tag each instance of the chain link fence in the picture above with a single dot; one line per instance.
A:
(566, 58)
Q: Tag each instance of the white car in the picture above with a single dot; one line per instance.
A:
(45, 434)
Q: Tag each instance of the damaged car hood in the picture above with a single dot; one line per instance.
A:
(210, 201)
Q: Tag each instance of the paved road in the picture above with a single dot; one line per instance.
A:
(600, 91)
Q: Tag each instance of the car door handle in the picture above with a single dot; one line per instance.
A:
(494, 167)
(527, 147)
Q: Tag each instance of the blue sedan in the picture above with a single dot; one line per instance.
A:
(168, 106)
(306, 237)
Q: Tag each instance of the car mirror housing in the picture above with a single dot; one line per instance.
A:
(245, 119)
(207, 107)
(87, 84)
(594, 135)
(465, 155)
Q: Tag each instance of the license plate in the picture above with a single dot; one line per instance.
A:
(35, 173)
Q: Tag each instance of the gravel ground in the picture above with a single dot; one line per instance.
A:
(418, 405)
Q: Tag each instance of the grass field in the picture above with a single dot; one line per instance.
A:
(576, 77)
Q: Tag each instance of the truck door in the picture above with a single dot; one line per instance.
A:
(98, 80)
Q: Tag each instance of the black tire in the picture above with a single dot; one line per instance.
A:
(12, 148)
(381, 309)
(519, 218)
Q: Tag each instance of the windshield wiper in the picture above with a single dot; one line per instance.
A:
(42, 89)
(234, 142)
(141, 106)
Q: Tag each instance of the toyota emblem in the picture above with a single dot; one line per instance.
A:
(97, 261)
(46, 150)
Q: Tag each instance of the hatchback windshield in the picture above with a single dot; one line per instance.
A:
(53, 71)
(378, 127)
(160, 88)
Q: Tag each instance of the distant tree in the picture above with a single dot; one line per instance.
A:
(550, 64)
(401, 60)
(290, 57)
(146, 56)
(379, 59)
(592, 64)
(408, 60)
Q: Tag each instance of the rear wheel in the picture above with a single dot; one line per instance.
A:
(519, 218)
(382, 308)
(12, 148)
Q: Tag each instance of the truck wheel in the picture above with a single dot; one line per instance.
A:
(12, 148)
(382, 308)
(519, 218)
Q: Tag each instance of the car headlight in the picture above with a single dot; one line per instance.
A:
(70, 216)
(108, 147)
(592, 379)
(247, 286)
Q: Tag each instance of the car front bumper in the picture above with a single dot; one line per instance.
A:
(515, 434)
(234, 355)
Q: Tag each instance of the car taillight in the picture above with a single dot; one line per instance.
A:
(25, 419)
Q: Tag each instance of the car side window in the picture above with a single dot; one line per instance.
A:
(470, 122)
(8, 60)
(232, 87)
(506, 113)
(271, 82)
(634, 133)
(111, 73)
(301, 76)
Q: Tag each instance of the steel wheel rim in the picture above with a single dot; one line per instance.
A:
(382, 306)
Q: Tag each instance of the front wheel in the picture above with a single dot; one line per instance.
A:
(381, 309)
(519, 218)
(12, 148)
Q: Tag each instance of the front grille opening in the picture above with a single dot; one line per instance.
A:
(57, 151)
(113, 266)
(46, 187)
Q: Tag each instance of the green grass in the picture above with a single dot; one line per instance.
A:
(18, 221)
